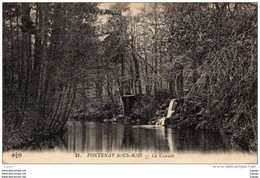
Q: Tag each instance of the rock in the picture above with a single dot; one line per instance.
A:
(165, 104)
(135, 116)
(168, 121)
(176, 117)
(114, 119)
(160, 113)
(152, 122)
(127, 120)
(121, 118)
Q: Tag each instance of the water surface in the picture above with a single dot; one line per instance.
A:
(112, 137)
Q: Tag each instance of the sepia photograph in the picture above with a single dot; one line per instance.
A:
(118, 82)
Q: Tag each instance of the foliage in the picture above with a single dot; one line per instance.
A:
(61, 59)
(47, 48)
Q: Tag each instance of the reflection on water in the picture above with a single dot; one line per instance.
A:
(100, 137)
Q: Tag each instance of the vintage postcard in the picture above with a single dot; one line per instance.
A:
(129, 82)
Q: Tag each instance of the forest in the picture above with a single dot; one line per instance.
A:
(64, 61)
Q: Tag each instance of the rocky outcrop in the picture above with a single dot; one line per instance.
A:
(165, 115)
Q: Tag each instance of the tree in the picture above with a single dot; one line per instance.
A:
(48, 49)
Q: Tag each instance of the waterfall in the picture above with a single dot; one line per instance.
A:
(170, 111)
(161, 121)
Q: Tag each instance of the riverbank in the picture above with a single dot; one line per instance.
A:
(146, 111)
(194, 115)
(190, 114)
